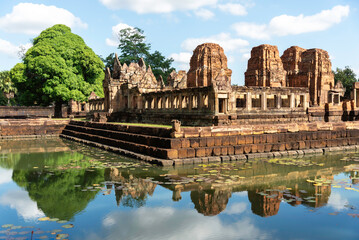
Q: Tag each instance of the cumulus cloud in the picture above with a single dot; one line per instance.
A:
(284, 25)
(157, 6)
(30, 18)
(236, 208)
(113, 41)
(171, 223)
(182, 59)
(224, 39)
(337, 202)
(12, 50)
(233, 8)
(5, 175)
(21, 202)
(204, 14)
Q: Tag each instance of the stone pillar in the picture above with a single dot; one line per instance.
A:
(279, 101)
(216, 104)
(305, 104)
(264, 101)
(248, 101)
(200, 101)
(292, 100)
(190, 102)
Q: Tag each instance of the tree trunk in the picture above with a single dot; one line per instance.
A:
(58, 110)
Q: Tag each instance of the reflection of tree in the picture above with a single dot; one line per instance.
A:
(129, 190)
(210, 202)
(54, 191)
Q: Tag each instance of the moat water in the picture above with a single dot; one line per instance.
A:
(57, 189)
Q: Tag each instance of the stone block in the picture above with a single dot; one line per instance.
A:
(217, 151)
(209, 151)
(200, 152)
(182, 153)
(260, 148)
(241, 139)
(210, 142)
(225, 158)
(203, 142)
(191, 153)
(247, 148)
(232, 140)
(217, 141)
(176, 143)
(194, 142)
(301, 145)
(230, 150)
(185, 143)
(225, 141)
(224, 151)
(254, 148)
(238, 149)
(249, 139)
(267, 147)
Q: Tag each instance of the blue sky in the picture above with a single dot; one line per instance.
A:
(176, 27)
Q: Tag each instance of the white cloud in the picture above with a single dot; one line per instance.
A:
(113, 41)
(233, 8)
(5, 175)
(170, 223)
(251, 30)
(246, 56)
(30, 18)
(337, 202)
(204, 14)
(236, 208)
(223, 39)
(284, 25)
(157, 6)
(11, 50)
(182, 59)
(21, 202)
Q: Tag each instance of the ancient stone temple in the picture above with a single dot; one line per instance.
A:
(265, 68)
(208, 67)
(312, 69)
(277, 89)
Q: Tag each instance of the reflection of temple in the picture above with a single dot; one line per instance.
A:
(265, 206)
(129, 190)
(210, 202)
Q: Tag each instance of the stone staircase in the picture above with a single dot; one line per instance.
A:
(136, 142)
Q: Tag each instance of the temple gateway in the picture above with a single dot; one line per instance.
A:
(295, 87)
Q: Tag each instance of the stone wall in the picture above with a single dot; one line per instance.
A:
(31, 127)
(25, 112)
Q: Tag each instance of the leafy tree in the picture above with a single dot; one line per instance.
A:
(159, 64)
(6, 87)
(59, 67)
(347, 77)
(133, 47)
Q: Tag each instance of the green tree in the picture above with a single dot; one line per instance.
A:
(59, 67)
(6, 87)
(347, 77)
(133, 46)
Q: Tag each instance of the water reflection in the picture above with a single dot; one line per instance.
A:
(61, 184)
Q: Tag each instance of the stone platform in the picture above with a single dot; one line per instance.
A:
(195, 145)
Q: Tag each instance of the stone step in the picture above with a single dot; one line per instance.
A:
(169, 143)
(134, 147)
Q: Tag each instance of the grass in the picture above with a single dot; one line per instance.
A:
(142, 124)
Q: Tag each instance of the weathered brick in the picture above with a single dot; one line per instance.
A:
(200, 152)
(191, 153)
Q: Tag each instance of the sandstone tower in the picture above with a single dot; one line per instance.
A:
(265, 68)
(208, 67)
(312, 69)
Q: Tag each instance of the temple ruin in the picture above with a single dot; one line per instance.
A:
(295, 87)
